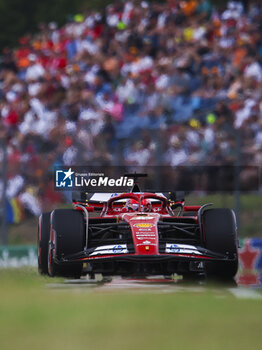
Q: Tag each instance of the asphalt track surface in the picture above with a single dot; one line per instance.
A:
(157, 286)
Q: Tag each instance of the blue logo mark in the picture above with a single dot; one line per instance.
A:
(174, 248)
(118, 249)
(64, 178)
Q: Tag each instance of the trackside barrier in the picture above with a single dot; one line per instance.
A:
(250, 259)
(17, 256)
(250, 262)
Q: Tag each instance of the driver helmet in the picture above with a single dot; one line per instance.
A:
(132, 205)
(146, 205)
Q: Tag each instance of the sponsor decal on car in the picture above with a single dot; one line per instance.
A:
(110, 249)
(146, 242)
(140, 238)
(174, 248)
(144, 225)
(145, 234)
(142, 217)
(150, 243)
(144, 229)
(181, 249)
(118, 248)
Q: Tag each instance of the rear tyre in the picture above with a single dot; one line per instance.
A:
(42, 242)
(66, 237)
(220, 236)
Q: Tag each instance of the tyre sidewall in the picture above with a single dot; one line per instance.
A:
(220, 236)
(43, 242)
(66, 237)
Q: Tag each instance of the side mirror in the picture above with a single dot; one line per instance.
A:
(176, 205)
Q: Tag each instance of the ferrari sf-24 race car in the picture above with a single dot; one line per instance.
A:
(137, 234)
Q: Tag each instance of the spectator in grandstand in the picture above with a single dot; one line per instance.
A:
(189, 73)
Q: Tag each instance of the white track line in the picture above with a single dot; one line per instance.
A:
(122, 284)
(245, 293)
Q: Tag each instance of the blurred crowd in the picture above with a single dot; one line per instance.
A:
(140, 83)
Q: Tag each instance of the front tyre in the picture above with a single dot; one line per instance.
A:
(220, 236)
(66, 237)
(42, 242)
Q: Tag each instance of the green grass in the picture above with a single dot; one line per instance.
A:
(33, 316)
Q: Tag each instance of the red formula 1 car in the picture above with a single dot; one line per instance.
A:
(137, 234)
